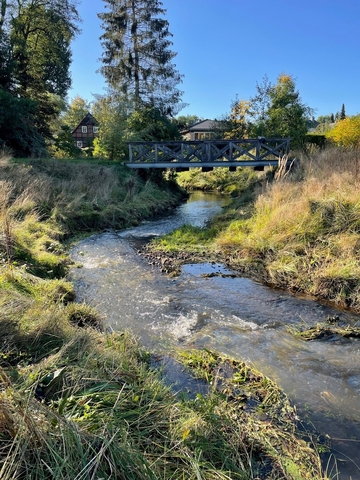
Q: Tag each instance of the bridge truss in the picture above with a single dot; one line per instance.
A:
(249, 152)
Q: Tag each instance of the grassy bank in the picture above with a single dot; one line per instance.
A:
(301, 233)
(78, 403)
(219, 180)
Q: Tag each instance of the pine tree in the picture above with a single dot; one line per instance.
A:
(137, 60)
(342, 113)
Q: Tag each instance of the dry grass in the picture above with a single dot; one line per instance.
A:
(78, 404)
(305, 229)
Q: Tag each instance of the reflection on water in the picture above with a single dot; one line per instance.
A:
(232, 315)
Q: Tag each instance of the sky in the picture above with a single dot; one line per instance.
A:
(225, 47)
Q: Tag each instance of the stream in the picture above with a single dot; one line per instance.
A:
(234, 316)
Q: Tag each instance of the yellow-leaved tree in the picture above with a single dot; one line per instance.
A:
(237, 122)
(346, 133)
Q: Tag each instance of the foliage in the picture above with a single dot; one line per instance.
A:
(275, 111)
(112, 113)
(286, 115)
(41, 32)
(6, 62)
(236, 124)
(64, 146)
(315, 138)
(326, 118)
(35, 56)
(137, 60)
(342, 112)
(323, 128)
(346, 132)
(17, 125)
(220, 180)
(186, 121)
(76, 110)
(120, 124)
(149, 124)
(238, 120)
(260, 103)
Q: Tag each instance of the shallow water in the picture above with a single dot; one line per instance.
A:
(235, 316)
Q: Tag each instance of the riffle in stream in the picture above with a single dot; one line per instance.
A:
(234, 316)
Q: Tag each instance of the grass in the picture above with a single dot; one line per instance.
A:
(79, 403)
(219, 179)
(301, 232)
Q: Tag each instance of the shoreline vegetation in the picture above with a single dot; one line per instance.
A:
(80, 403)
(300, 233)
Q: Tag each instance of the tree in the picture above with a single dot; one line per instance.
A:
(35, 55)
(120, 124)
(18, 126)
(75, 112)
(41, 32)
(260, 103)
(137, 60)
(342, 112)
(326, 118)
(6, 62)
(346, 132)
(64, 146)
(235, 124)
(185, 121)
(112, 113)
(149, 125)
(286, 115)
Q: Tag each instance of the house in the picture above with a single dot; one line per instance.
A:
(85, 132)
(203, 130)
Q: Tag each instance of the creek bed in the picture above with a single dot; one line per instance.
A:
(205, 307)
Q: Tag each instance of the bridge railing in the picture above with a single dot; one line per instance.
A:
(257, 151)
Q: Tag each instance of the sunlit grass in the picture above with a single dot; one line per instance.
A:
(80, 403)
(305, 229)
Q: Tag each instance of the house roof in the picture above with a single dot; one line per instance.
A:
(202, 126)
(87, 120)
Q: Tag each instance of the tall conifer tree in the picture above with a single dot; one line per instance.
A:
(137, 60)
(342, 113)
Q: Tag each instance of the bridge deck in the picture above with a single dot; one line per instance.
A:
(209, 153)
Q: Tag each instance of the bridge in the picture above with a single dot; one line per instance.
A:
(250, 152)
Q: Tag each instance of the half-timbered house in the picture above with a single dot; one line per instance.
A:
(86, 131)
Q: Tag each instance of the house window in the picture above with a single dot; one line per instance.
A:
(95, 129)
(79, 143)
(84, 129)
(196, 136)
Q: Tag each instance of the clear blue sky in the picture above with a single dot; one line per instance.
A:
(224, 47)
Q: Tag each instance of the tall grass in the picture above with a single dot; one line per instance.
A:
(80, 404)
(305, 230)
(45, 201)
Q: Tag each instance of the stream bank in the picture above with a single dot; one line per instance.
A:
(207, 306)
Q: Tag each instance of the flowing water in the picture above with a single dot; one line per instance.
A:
(235, 316)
